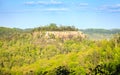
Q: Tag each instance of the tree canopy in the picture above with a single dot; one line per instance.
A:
(25, 54)
(54, 27)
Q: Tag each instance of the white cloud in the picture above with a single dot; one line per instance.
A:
(110, 8)
(117, 6)
(48, 3)
(29, 3)
(115, 10)
(37, 10)
(53, 5)
(56, 9)
(49, 6)
(82, 7)
(52, 2)
(83, 4)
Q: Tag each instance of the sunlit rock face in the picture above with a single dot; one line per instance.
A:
(59, 34)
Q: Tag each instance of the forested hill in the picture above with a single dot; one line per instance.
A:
(8, 33)
(100, 31)
(95, 34)
(98, 34)
(51, 30)
(23, 53)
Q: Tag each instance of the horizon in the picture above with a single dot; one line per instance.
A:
(83, 14)
(62, 25)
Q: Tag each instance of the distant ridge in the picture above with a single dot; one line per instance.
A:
(52, 30)
(101, 31)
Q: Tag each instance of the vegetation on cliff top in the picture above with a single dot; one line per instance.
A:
(54, 27)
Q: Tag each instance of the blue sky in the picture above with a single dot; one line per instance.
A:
(80, 13)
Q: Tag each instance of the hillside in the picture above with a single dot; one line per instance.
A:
(101, 31)
(32, 52)
(97, 34)
(93, 34)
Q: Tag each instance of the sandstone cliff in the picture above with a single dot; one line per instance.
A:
(59, 34)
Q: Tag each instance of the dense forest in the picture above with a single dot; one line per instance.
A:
(23, 54)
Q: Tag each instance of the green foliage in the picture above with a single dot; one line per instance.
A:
(96, 34)
(106, 69)
(62, 70)
(54, 27)
(101, 31)
(25, 54)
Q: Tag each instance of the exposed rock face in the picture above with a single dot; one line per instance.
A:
(60, 34)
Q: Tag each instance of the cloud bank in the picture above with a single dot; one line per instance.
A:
(43, 3)
(56, 9)
(110, 8)
(83, 4)
(53, 5)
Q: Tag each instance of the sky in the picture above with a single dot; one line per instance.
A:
(79, 13)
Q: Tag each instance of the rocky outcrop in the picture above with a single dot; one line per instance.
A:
(59, 34)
